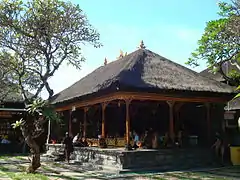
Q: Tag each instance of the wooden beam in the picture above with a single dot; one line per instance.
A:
(103, 105)
(208, 117)
(140, 96)
(127, 101)
(177, 108)
(171, 120)
(85, 121)
(70, 123)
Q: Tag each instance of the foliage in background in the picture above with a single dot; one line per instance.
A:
(220, 43)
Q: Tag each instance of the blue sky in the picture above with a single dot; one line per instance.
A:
(170, 28)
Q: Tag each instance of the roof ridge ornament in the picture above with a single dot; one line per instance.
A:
(105, 61)
(142, 46)
(122, 54)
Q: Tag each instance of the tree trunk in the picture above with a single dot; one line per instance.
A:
(35, 161)
(34, 148)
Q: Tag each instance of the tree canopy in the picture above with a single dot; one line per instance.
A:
(37, 36)
(220, 42)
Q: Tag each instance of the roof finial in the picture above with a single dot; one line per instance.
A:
(105, 61)
(142, 46)
(121, 55)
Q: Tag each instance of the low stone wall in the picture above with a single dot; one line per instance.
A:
(107, 158)
(121, 160)
(54, 150)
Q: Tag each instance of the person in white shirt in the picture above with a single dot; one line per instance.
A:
(75, 139)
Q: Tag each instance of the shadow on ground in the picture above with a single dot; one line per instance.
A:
(230, 172)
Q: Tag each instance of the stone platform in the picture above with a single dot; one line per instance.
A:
(121, 160)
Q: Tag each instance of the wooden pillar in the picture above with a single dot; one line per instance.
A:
(171, 120)
(177, 109)
(85, 121)
(104, 105)
(127, 101)
(70, 123)
(208, 117)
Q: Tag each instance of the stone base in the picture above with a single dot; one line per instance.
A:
(119, 159)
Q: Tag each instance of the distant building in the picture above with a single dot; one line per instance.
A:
(232, 109)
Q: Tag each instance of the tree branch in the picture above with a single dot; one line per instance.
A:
(221, 66)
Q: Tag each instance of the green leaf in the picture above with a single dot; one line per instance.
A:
(238, 88)
(17, 123)
(220, 41)
(237, 96)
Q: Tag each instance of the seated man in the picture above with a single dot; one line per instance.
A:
(147, 140)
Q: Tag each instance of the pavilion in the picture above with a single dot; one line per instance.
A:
(112, 98)
(12, 108)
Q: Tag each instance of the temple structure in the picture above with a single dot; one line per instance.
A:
(143, 91)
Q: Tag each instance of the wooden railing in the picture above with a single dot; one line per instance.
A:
(112, 142)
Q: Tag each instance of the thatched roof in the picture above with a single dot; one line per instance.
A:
(227, 67)
(141, 69)
(216, 76)
(233, 104)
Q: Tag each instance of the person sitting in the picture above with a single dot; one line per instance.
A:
(147, 140)
(5, 140)
(80, 142)
(76, 140)
(179, 139)
(85, 143)
(135, 140)
(166, 140)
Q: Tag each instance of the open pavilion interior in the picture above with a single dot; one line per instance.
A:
(142, 92)
(11, 109)
(199, 121)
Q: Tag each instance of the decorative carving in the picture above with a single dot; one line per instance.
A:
(142, 46)
(171, 103)
(128, 100)
(105, 62)
(104, 104)
(122, 54)
(86, 109)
